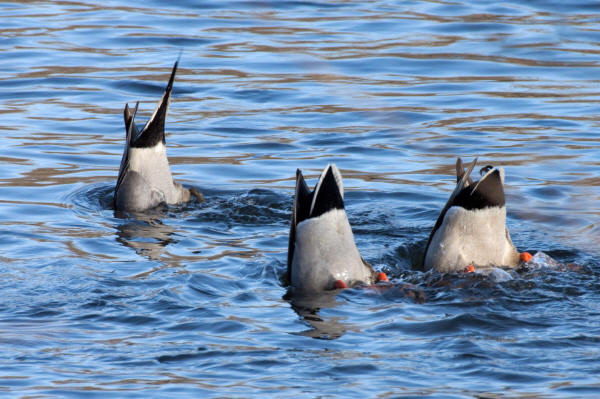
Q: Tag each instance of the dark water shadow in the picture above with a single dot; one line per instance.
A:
(91, 198)
(547, 278)
(255, 207)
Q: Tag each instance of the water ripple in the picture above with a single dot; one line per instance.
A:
(188, 300)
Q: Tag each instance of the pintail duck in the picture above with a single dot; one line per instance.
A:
(145, 179)
(322, 254)
(471, 229)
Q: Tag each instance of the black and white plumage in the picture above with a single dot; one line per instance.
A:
(145, 179)
(321, 245)
(471, 229)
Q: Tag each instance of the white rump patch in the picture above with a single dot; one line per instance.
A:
(324, 252)
(471, 237)
(153, 165)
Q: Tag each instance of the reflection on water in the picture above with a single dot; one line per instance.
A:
(321, 327)
(146, 235)
(311, 309)
(189, 300)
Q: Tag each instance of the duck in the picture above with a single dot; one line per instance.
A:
(471, 230)
(322, 253)
(145, 178)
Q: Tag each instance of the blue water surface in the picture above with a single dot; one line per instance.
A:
(187, 301)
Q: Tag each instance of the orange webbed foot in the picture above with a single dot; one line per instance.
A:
(339, 284)
(525, 257)
(381, 276)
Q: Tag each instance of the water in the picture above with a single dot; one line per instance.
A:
(187, 301)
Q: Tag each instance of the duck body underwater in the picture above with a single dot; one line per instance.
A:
(471, 229)
(145, 178)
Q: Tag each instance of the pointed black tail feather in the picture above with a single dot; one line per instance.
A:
(464, 181)
(130, 130)
(460, 172)
(300, 212)
(302, 199)
(327, 195)
(487, 192)
(154, 131)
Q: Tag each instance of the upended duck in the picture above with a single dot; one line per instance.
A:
(322, 254)
(471, 229)
(145, 179)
